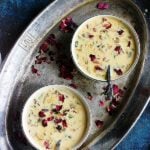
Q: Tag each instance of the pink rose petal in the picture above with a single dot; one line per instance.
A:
(118, 72)
(118, 49)
(101, 103)
(67, 25)
(115, 89)
(107, 25)
(58, 107)
(64, 123)
(61, 97)
(92, 57)
(73, 85)
(99, 123)
(103, 6)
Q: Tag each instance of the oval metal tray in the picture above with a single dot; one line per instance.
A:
(18, 82)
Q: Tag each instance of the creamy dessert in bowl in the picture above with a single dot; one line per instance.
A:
(55, 114)
(102, 41)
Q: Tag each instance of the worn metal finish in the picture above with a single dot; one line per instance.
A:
(17, 81)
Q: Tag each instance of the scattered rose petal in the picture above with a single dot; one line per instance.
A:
(44, 122)
(46, 145)
(61, 97)
(65, 73)
(66, 67)
(64, 123)
(101, 103)
(103, 6)
(40, 60)
(115, 89)
(121, 93)
(120, 32)
(41, 114)
(67, 25)
(115, 102)
(109, 109)
(73, 85)
(107, 25)
(99, 123)
(51, 39)
(118, 72)
(50, 118)
(98, 68)
(58, 107)
(34, 70)
(118, 49)
(90, 97)
(44, 47)
(92, 57)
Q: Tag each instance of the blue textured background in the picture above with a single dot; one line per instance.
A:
(15, 15)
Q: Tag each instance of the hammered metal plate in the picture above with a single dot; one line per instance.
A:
(18, 82)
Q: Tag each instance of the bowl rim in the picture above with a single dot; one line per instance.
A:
(45, 88)
(136, 39)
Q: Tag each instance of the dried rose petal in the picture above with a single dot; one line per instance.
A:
(40, 60)
(41, 114)
(67, 25)
(109, 109)
(44, 47)
(73, 85)
(115, 89)
(64, 123)
(107, 25)
(120, 32)
(58, 120)
(50, 118)
(129, 44)
(115, 102)
(118, 49)
(46, 145)
(51, 39)
(65, 73)
(90, 97)
(44, 122)
(61, 97)
(118, 72)
(98, 68)
(103, 6)
(101, 103)
(99, 123)
(92, 57)
(58, 107)
(121, 92)
(34, 70)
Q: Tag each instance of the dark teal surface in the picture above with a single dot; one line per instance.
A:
(15, 15)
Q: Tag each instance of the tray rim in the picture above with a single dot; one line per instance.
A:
(5, 65)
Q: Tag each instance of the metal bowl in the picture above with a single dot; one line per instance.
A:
(44, 89)
(133, 32)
